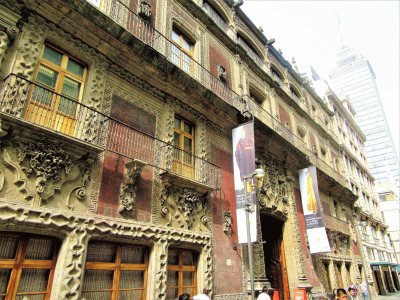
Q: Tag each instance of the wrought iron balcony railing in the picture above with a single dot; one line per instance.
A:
(36, 104)
(215, 17)
(141, 29)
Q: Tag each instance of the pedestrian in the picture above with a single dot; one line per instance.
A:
(341, 294)
(203, 296)
(353, 293)
(184, 296)
(353, 286)
(364, 290)
(264, 295)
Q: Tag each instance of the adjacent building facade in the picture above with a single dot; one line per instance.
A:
(116, 174)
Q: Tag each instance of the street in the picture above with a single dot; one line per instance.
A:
(389, 296)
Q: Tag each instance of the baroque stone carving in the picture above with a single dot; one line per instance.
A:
(222, 74)
(227, 222)
(3, 45)
(127, 196)
(145, 10)
(184, 207)
(275, 193)
(45, 160)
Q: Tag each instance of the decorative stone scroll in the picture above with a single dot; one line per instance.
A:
(127, 196)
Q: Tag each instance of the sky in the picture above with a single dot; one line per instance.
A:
(309, 32)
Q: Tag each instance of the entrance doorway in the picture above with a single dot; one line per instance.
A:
(274, 255)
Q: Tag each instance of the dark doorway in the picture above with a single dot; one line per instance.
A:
(377, 278)
(274, 256)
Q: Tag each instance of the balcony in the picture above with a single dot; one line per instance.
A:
(142, 30)
(38, 107)
(334, 223)
(33, 103)
(215, 17)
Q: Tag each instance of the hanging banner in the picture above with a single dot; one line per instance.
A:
(244, 165)
(317, 238)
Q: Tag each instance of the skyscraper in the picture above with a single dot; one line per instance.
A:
(354, 77)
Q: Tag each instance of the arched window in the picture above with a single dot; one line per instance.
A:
(276, 75)
(215, 14)
(294, 93)
(250, 49)
(256, 95)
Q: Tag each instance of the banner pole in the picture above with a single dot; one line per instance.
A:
(249, 246)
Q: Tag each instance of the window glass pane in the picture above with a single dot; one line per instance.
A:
(101, 252)
(33, 280)
(187, 279)
(175, 55)
(188, 128)
(172, 293)
(40, 248)
(188, 259)
(47, 77)
(133, 254)
(96, 295)
(188, 290)
(187, 144)
(177, 123)
(186, 45)
(97, 280)
(173, 257)
(52, 55)
(31, 297)
(129, 295)
(75, 67)
(172, 279)
(8, 246)
(176, 37)
(71, 88)
(176, 139)
(4, 276)
(131, 279)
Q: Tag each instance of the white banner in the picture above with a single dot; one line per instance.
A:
(317, 238)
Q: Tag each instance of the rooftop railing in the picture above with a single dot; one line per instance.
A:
(38, 105)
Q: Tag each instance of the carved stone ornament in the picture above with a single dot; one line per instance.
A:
(145, 10)
(222, 74)
(227, 222)
(275, 192)
(44, 160)
(127, 196)
(184, 207)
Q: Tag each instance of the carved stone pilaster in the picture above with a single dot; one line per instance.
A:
(3, 45)
(127, 196)
(161, 269)
(72, 282)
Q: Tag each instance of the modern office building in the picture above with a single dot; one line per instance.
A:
(355, 78)
(116, 158)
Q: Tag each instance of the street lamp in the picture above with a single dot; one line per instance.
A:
(257, 174)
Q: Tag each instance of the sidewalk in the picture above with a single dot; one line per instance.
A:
(389, 296)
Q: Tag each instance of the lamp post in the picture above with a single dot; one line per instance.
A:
(257, 174)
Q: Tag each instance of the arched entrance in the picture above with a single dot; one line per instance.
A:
(274, 254)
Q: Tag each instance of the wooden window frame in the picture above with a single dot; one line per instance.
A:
(117, 266)
(18, 263)
(62, 70)
(182, 134)
(180, 268)
(190, 54)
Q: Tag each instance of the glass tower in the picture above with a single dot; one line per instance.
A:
(354, 77)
